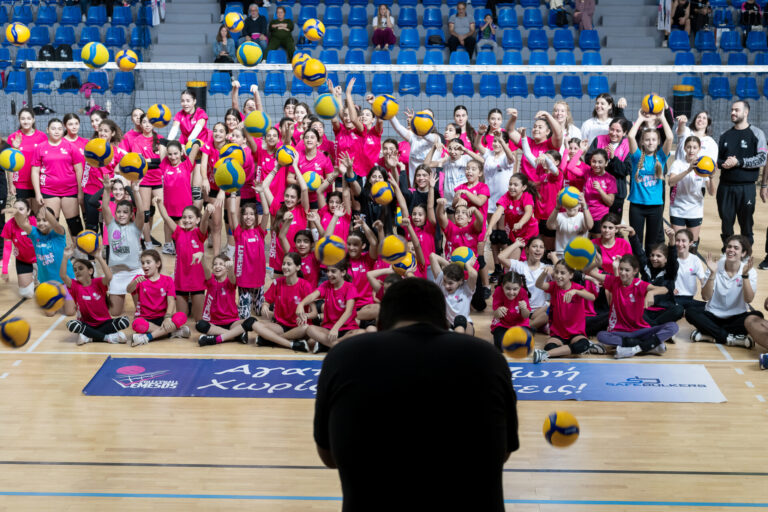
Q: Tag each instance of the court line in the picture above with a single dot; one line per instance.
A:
(760, 398)
(46, 333)
(4, 375)
(739, 371)
(17, 362)
(724, 352)
(749, 384)
(13, 308)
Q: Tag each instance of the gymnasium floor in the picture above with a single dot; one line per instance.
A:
(61, 450)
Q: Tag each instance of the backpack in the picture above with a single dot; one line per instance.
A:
(47, 52)
(70, 83)
(64, 52)
(561, 17)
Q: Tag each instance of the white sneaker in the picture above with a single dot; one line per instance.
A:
(230, 251)
(82, 339)
(597, 348)
(168, 248)
(117, 337)
(181, 332)
(697, 336)
(624, 352)
(139, 339)
(658, 349)
(740, 340)
(540, 356)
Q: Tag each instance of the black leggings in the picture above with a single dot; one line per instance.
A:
(92, 209)
(647, 219)
(719, 328)
(97, 332)
(671, 313)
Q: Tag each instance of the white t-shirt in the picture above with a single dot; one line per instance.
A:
(456, 303)
(571, 132)
(688, 195)
(497, 171)
(537, 297)
(455, 172)
(420, 146)
(728, 295)
(688, 271)
(708, 146)
(567, 229)
(375, 22)
(593, 127)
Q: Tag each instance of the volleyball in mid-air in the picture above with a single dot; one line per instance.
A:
(249, 54)
(313, 180)
(579, 253)
(313, 73)
(569, 197)
(462, 255)
(561, 429)
(159, 115)
(422, 123)
(330, 250)
(126, 60)
(652, 104)
(299, 58)
(393, 249)
(17, 33)
(95, 55)
(405, 265)
(385, 106)
(257, 123)
(88, 241)
(133, 166)
(50, 295)
(15, 332)
(517, 342)
(382, 193)
(98, 152)
(234, 151)
(313, 29)
(326, 106)
(234, 21)
(12, 160)
(228, 175)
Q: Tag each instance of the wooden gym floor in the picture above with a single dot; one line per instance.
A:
(61, 450)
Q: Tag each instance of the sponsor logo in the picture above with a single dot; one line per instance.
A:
(137, 377)
(651, 382)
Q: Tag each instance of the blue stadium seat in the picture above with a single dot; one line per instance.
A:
(299, 88)
(565, 59)
(144, 16)
(589, 40)
(64, 76)
(333, 16)
(23, 55)
(459, 58)
(435, 32)
(89, 35)
(719, 88)
(42, 82)
(761, 59)
(695, 81)
(737, 59)
(97, 15)
(334, 2)
(307, 12)
(537, 39)
(511, 39)
(544, 86)
(381, 57)
(406, 18)
(233, 7)
(354, 57)
(530, 3)
(4, 15)
(486, 58)
(358, 38)
(563, 39)
(22, 14)
(409, 38)
(507, 17)
(597, 85)
(121, 16)
(711, 59)
(480, 15)
(517, 86)
(433, 18)
(274, 83)
(141, 37)
(705, 41)
(101, 79)
(358, 16)
(115, 37)
(246, 79)
(432, 3)
(746, 88)
(490, 85)
(46, 15)
(718, 3)
(382, 84)
(679, 41)
(365, 2)
(406, 58)
(5, 57)
(765, 88)
(16, 81)
(124, 83)
(436, 85)
(538, 58)
(756, 41)
(277, 56)
(570, 86)
(326, 56)
(512, 58)
(388, 3)
(685, 59)
(38, 36)
(731, 41)
(64, 35)
(434, 57)
(305, 45)
(220, 83)
(70, 15)
(462, 85)
(359, 87)
(723, 18)
(532, 18)
(591, 59)
(409, 84)
(333, 77)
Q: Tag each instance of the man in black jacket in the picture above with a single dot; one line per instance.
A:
(255, 28)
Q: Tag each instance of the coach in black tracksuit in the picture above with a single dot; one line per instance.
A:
(742, 151)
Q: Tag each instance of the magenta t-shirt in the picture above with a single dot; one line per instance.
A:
(187, 124)
(320, 164)
(177, 186)
(513, 317)
(299, 223)
(130, 136)
(286, 297)
(57, 172)
(79, 143)
(514, 209)
(536, 149)
(220, 307)
(143, 146)
(92, 176)
(597, 208)
(627, 304)
(549, 186)
(336, 303)
(479, 189)
(456, 237)
(250, 263)
(186, 276)
(91, 301)
(310, 269)
(371, 145)
(29, 143)
(619, 249)
(213, 156)
(151, 297)
(326, 146)
(426, 236)
(342, 223)
(358, 269)
(350, 141)
(23, 248)
(566, 319)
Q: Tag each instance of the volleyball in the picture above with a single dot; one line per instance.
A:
(326, 106)
(249, 54)
(50, 296)
(385, 106)
(286, 155)
(393, 249)
(88, 241)
(299, 58)
(228, 175)
(15, 332)
(313, 180)
(705, 166)
(407, 264)
(12, 160)
(133, 166)
(95, 55)
(579, 253)
(569, 197)
(423, 122)
(382, 193)
(561, 429)
(313, 73)
(462, 255)
(313, 29)
(233, 151)
(398, 216)
(330, 250)
(190, 144)
(98, 153)
(17, 34)
(234, 21)
(159, 115)
(126, 60)
(257, 123)
(652, 104)
(517, 342)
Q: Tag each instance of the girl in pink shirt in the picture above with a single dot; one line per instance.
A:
(350, 131)
(567, 331)
(360, 262)
(93, 323)
(599, 187)
(530, 265)
(465, 231)
(575, 169)
(293, 211)
(374, 127)
(220, 310)
(232, 120)
(304, 246)
(466, 132)
(177, 188)
(136, 130)
(25, 139)
(72, 135)
(495, 118)
(610, 247)
(211, 192)
(148, 145)
(264, 156)
(326, 146)
(546, 135)
(93, 176)
(475, 193)
(300, 117)
(248, 190)
(23, 249)
(516, 207)
(339, 205)
(510, 306)
(191, 121)
(314, 160)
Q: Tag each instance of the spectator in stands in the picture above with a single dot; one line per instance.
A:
(223, 46)
(461, 28)
(280, 33)
(664, 19)
(583, 13)
(486, 36)
(700, 13)
(255, 28)
(681, 15)
(383, 33)
(750, 17)
(85, 4)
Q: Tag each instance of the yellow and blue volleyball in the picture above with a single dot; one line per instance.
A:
(189, 146)
(234, 21)
(228, 175)
(393, 249)
(462, 255)
(560, 429)
(15, 332)
(234, 151)
(313, 73)
(286, 155)
(95, 55)
(569, 197)
(327, 106)
(12, 160)
(330, 250)
(257, 123)
(50, 295)
(159, 115)
(652, 104)
(313, 180)
(133, 166)
(88, 241)
(385, 106)
(704, 167)
(249, 54)
(299, 58)
(382, 193)
(98, 153)
(398, 216)
(422, 123)
(579, 253)
(517, 342)
(313, 29)
(407, 264)
(17, 33)
(126, 60)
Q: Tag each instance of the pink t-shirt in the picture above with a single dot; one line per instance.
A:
(576, 173)
(358, 269)
(57, 173)
(130, 136)
(342, 223)
(513, 317)
(177, 186)
(548, 187)
(250, 263)
(566, 319)
(310, 269)
(151, 297)
(619, 249)
(91, 301)
(298, 223)
(371, 145)
(514, 209)
(220, 306)
(336, 303)
(143, 146)
(321, 164)
(23, 248)
(186, 276)
(589, 306)
(187, 124)
(326, 146)
(79, 143)
(286, 297)
(265, 163)
(92, 176)
(627, 304)
(29, 143)
(480, 189)
(597, 208)
(536, 149)
(351, 141)
(213, 156)
(426, 236)
(455, 237)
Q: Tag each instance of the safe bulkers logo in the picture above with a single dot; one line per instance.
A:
(652, 382)
(137, 377)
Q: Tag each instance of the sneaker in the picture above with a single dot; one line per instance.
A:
(139, 339)
(300, 346)
(206, 339)
(155, 241)
(763, 360)
(597, 348)
(168, 248)
(664, 44)
(118, 337)
(82, 339)
(319, 347)
(181, 332)
(624, 352)
(763, 264)
(696, 336)
(740, 340)
(540, 356)
(658, 349)
(244, 338)
(486, 293)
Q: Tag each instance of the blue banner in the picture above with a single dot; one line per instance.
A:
(297, 378)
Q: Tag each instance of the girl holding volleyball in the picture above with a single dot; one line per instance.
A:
(530, 267)
(516, 207)
(23, 249)
(600, 187)
(149, 145)
(510, 306)
(567, 225)
(210, 156)
(25, 139)
(419, 146)
(315, 161)
(220, 312)
(686, 207)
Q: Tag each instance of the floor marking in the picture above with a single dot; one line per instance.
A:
(4, 375)
(749, 384)
(760, 398)
(46, 333)
(725, 353)
(739, 371)
(17, 362)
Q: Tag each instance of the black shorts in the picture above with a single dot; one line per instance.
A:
(545, 231)
(189, 295)
(51, 196)
(157, 321)
(569, 340)
(226, 327)
(175, 219)
(688, 223)
(153, 187)
(23, 193)
(22, 267)
(313, 205)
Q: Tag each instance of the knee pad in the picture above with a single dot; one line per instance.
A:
(248, 324)
(75, 225)
(147, 216)
(28, 291)
(580, 346)
(460, 321)
(197, 193)
(499, 237)
(481, 260)
(179, 319)
(75, 326)
(203, 326)
(550, 346)
(140, 326)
